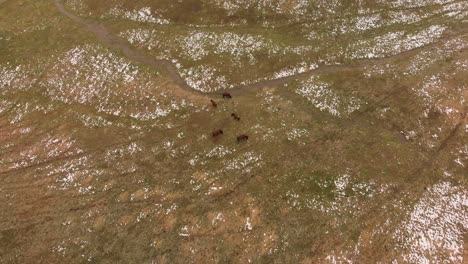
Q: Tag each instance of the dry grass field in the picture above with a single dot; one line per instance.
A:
(355, 112)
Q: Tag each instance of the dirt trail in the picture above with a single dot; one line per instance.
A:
(168, 67)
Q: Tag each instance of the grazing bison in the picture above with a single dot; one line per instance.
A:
(227, 96)
(217, 133)
(236, 117)
(213, 103)
(242, 138)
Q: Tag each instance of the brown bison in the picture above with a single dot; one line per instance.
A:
(242, 138)
(217, 133)
(227, 96)
(213, 103)
(236, 117)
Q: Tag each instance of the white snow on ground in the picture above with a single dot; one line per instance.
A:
(292, 7)
(139, 36)
(216, 152)
(404, 17)
(300, 68)
(245, 162)
(455, 10)
(428, 57)
(76, 5)
(72, 172)
(368, 22)
(48, 147)
(94, 76)
(16, 78)
(322, 96)
(462, 154)
(394, 43)
(297, 133)
(413, 3)
(145, 14)
(199, 44)
(205, 78)
(89, 72)
(151, 40)
(434, 230)
(92, 120)
(431, 82)
(361, 23)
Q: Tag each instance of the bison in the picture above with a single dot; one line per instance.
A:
(235, 116)
(242, 138)
(217, 133)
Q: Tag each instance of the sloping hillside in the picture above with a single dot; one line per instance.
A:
(355, 113)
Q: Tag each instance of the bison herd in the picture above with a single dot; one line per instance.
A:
(218, 132)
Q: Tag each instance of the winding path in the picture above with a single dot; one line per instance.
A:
(168, 67)
(118, 43)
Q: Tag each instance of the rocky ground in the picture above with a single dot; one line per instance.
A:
(355, 112)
